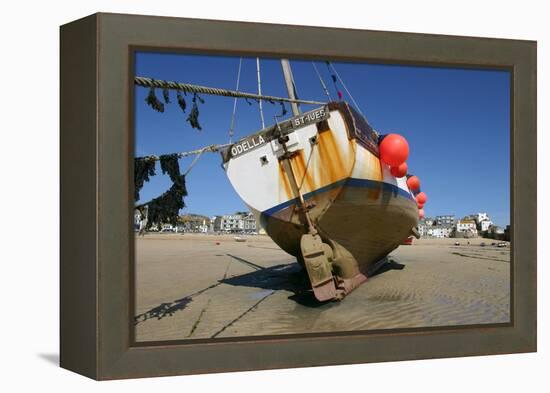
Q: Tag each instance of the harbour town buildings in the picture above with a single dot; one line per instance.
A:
(239, 222)
(473, 225)
(445, 220)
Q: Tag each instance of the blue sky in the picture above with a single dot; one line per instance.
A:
(457, 122)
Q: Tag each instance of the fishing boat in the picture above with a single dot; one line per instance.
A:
(326, 187)
(317, 185)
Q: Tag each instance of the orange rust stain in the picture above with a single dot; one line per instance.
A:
(335, 164)
(330, 163)
(303, 173)
(283, 179)
(375, 168)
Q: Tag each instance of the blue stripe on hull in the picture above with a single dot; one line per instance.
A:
(349, 182)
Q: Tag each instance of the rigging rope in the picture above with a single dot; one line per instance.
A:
(206, 149)
(231, 128)
(195, 160)
(186, 87)
(346, 89)
(322, 81)
(306, 168)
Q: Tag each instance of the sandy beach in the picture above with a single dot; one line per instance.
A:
(203, 286)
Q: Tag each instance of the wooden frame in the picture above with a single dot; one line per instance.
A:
(96, 162)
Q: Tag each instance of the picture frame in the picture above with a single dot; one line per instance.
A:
(96, 143)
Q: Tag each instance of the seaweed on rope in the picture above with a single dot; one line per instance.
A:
(144, 168)
(153, 101)
(193, 117)
(166, 207)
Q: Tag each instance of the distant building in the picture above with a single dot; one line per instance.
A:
(423, 229)
(485, 225)
(168, 228)
(445, 220)
(427, 221)
(193, 223)
(467, 225)
(483, 222)
(232, 223)
(424, 224)
(250, 223)
(439, 231)
(479, 217)
(238, 222)
(138, 220)
(498, 233)
(215, 224)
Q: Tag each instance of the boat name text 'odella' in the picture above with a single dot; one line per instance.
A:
(246, 145)
(289, 125)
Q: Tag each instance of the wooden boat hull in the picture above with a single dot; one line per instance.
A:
(355, 203)
(369, 219)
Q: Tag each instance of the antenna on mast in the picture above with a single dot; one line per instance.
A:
(290, 85)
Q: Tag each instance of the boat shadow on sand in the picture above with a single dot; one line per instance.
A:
(289, 277)
(293, 278)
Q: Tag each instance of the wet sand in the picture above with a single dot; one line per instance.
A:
(203, 286)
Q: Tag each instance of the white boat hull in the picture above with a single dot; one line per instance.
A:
(353, 198)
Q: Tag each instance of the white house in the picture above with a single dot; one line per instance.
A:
(232, 223)
(466, 226)
(479, 217)
(485, 225)
(439, 231)
(423, 229)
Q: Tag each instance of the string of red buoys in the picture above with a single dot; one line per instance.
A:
(394, 151)
(399, 171)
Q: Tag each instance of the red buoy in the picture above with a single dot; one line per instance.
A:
(421, 198)
(413, 183)
(399, 171)
(421, 213)
(394, 150)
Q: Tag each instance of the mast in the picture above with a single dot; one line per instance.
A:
(290, 86)
(260, 91)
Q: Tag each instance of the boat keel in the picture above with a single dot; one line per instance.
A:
(322, 260)
(317, 256)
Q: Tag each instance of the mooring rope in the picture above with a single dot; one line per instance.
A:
(206, 149)
(186, 87)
